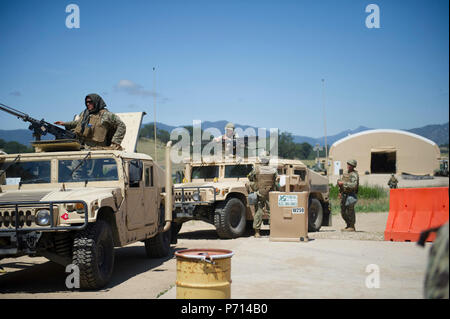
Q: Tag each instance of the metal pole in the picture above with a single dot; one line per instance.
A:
(325, 125)
(154, 111)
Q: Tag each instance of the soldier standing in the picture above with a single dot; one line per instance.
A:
(96, 126)
(262, 180)
(348, 190)
(230, 140)
(437, 275)
(393, 182)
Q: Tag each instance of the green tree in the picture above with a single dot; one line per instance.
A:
(148, 131)
(287, 148)
(14, 147)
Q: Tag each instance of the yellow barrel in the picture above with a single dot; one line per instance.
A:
(204, 274)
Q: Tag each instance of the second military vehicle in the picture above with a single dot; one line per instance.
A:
(215, 192)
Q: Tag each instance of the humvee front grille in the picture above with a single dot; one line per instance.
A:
(178, 196)
(8, 218)
(182, 195)
(20, 216)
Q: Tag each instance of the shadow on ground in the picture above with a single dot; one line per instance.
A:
(49, 277)
(212, 234)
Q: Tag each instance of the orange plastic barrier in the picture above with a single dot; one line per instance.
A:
(412, 210)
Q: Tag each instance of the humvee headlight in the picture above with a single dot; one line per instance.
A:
(79, 206)
(196, 196)
(43, 217)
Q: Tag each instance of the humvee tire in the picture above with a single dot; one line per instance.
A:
(315, 215)
(230, 219)
(93, 253)
(158, 246)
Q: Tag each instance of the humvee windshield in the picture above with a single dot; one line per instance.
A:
(205, 172)
(237, 171)
(26, 172)
(99, 169)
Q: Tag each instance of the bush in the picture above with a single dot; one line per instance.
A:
(370, 199)
(364, 191)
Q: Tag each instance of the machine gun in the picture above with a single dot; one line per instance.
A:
(41, 127)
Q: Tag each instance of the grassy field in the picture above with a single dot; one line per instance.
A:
(370, 199)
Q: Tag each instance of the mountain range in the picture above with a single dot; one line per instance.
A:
(438, 133)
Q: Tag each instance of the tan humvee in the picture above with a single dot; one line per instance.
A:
(74, 207)
(216, 193)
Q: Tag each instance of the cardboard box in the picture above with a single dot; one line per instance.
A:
(288, 216)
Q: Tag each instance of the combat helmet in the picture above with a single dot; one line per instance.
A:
(229, 125)
(352, 162)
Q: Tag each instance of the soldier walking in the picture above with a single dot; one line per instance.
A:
(348, 190)
(262, 180)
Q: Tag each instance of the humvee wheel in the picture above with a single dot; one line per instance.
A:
(230, 219)
(158, 246)
(315, 215)
(93, 253)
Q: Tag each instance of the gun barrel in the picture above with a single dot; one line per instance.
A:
(12, 111)
(39, 127)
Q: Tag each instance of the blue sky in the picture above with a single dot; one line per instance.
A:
(253, 62)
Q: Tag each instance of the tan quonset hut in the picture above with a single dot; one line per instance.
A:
(384, 152)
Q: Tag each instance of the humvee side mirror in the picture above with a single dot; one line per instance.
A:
(135, 169)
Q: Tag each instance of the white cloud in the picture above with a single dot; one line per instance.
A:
(132, 88)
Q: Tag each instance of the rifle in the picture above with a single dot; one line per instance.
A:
(41, 127)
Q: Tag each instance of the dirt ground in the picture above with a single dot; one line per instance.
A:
(332, 264)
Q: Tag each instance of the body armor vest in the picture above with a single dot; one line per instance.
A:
(94, 132)
(265, 177)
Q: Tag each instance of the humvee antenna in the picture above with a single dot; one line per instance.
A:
(154, 110)
(325, 125)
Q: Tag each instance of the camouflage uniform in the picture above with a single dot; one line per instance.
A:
(393, 182)
(262, 189)
(437, 275)
(98, 128)
(349, 191)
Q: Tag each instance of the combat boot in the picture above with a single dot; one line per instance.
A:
(349, 229)
(257, 234)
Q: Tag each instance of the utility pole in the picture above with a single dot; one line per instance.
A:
(325, 124)
(154, 110)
